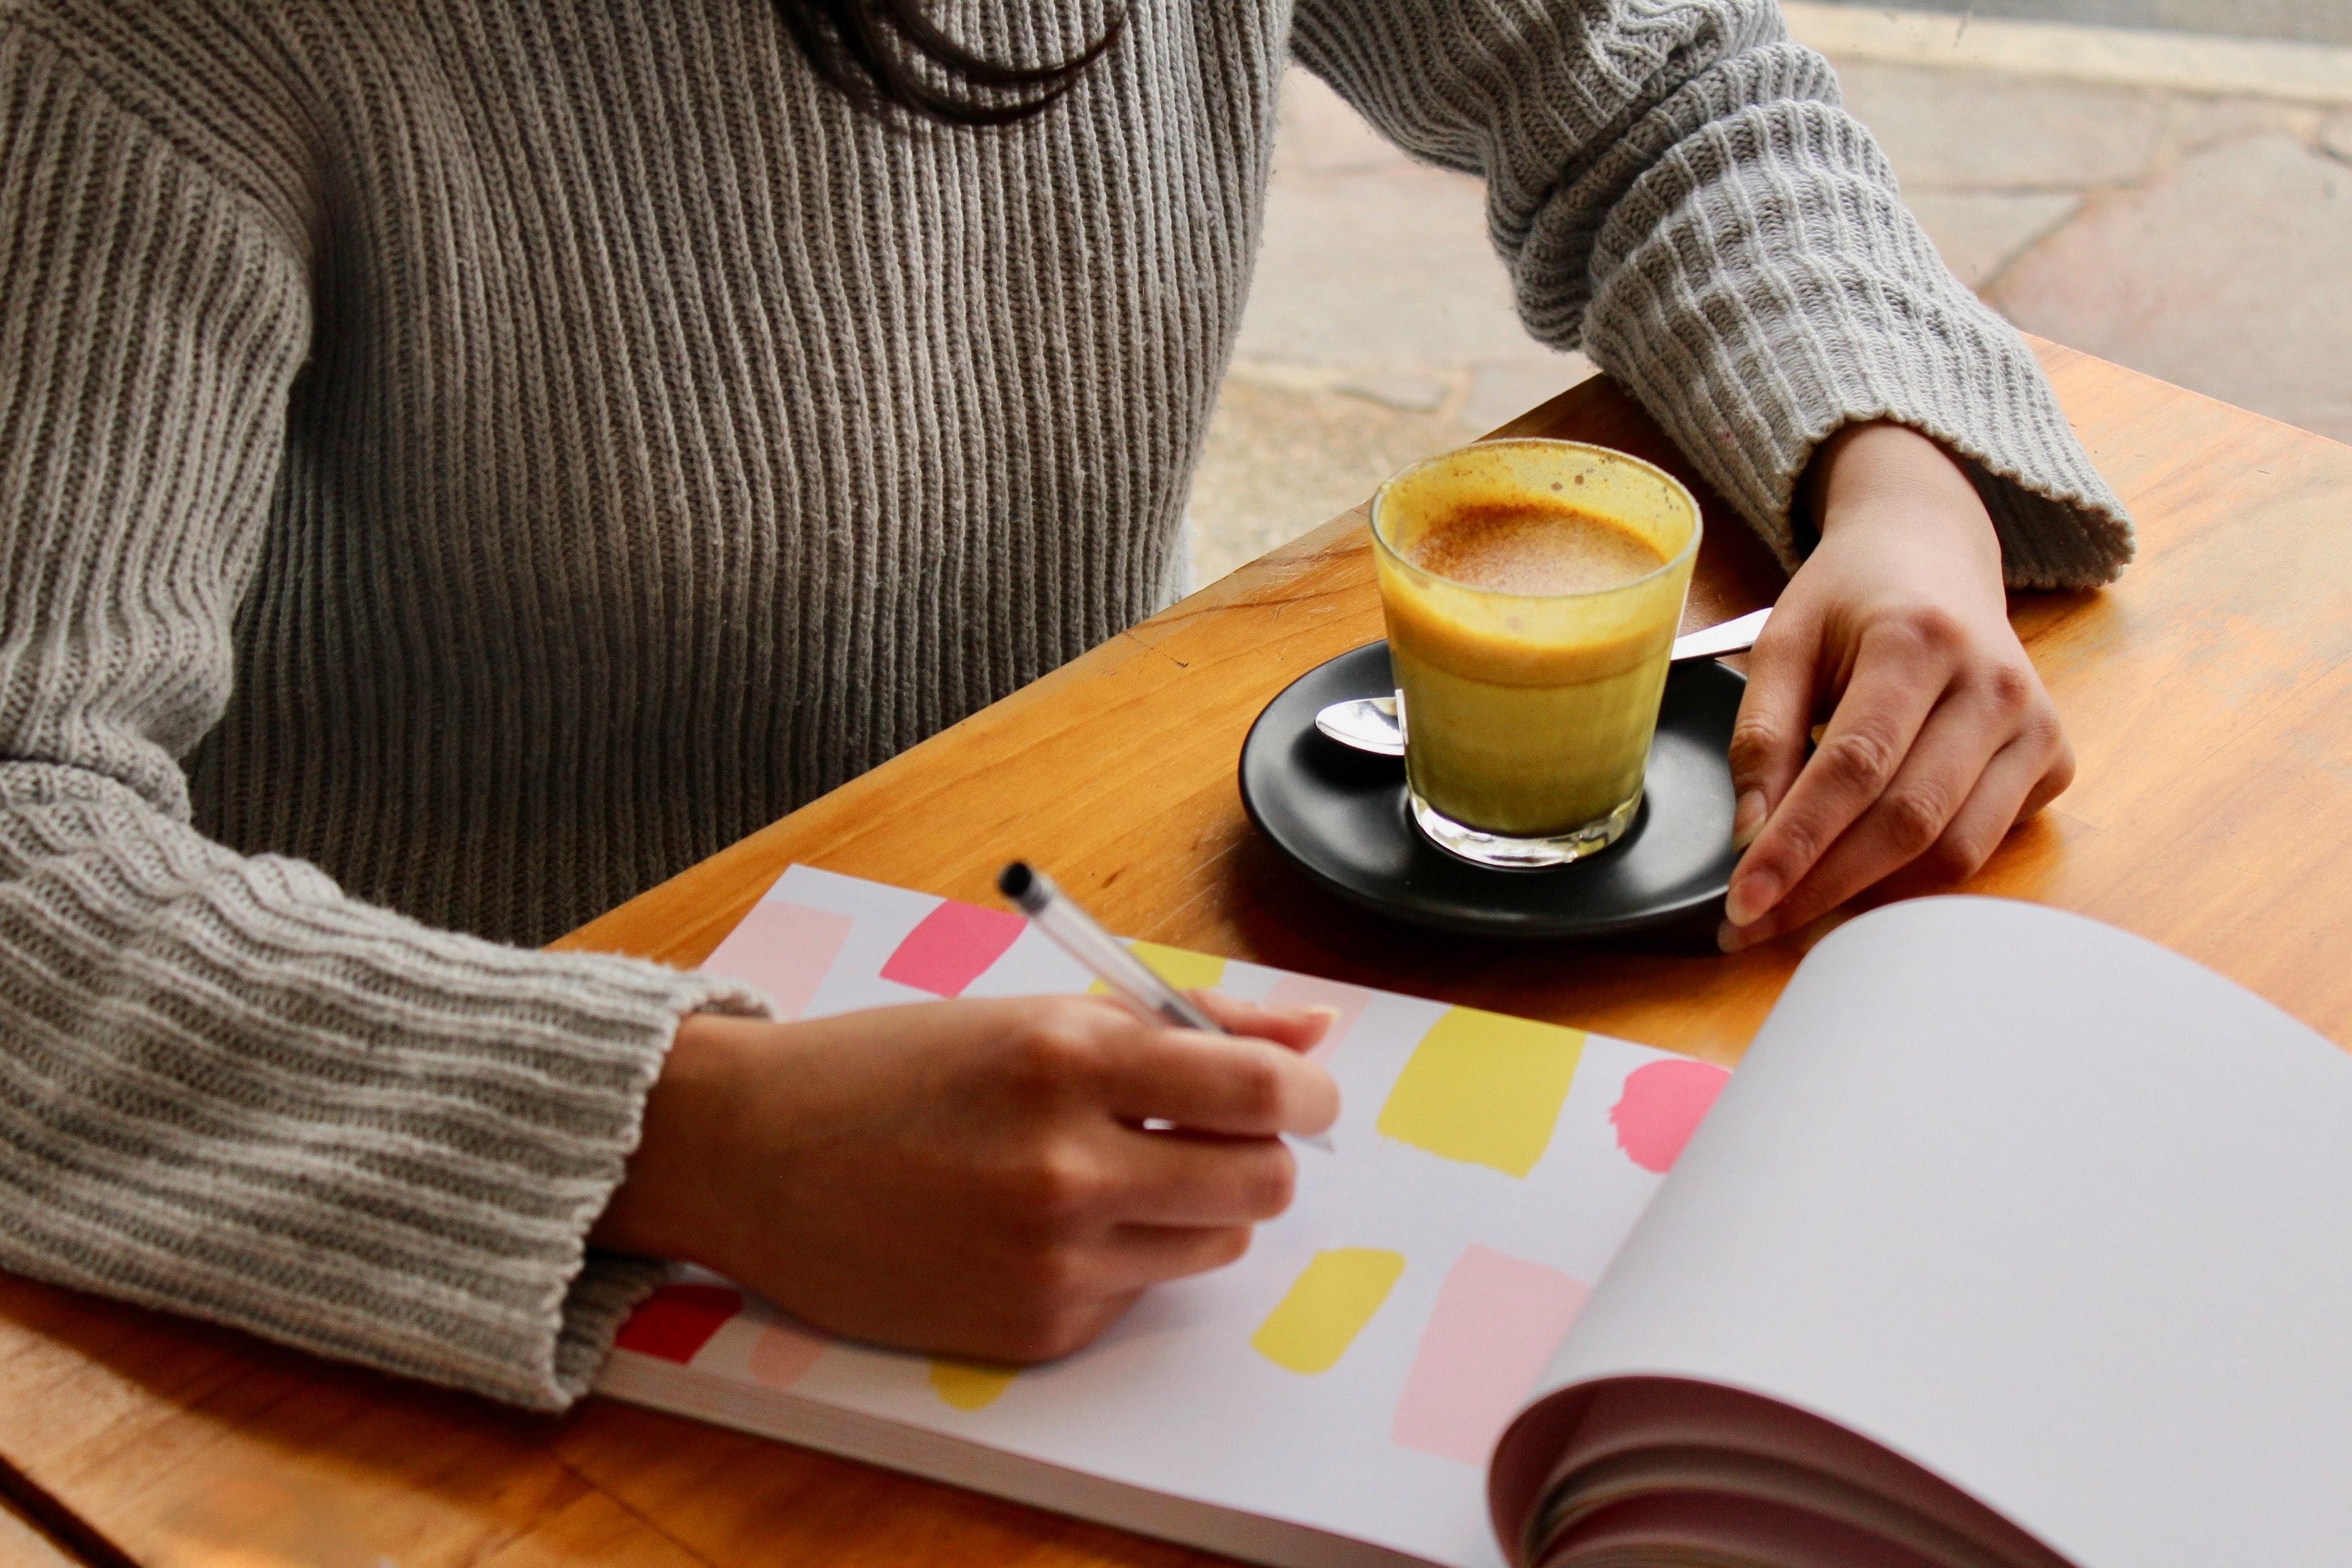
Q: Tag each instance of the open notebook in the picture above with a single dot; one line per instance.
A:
(2016, 1240)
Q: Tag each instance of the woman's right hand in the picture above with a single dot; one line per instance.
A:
(969, 1177)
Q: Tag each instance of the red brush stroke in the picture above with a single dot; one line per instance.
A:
(677, 1320)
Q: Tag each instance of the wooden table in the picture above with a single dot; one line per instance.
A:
(2210, 696)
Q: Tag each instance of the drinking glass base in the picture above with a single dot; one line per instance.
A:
(1506, 853)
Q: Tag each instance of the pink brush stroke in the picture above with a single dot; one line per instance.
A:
(1497, 1322)
(781, 1355)
(1307, 991)
(784, 950)
(1663, 1104)
(952, 947)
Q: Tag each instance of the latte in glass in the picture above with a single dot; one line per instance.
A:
(1532, 590)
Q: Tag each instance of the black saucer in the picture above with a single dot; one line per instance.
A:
(1339, 815)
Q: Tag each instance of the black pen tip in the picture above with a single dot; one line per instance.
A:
(1014, 880)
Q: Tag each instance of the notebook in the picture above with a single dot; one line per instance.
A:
(2015, 1240)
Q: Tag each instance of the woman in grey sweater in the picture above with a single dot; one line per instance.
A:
(463, 460)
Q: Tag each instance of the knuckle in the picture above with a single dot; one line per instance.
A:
(1915, 819)
(1058, 1190)
(1258, 1088)
(2012, 687)
(1272, 1184)
(2061, 773)
(1753, 747)
(1078, 1020)
(1055, 1051)
(2046, 735)
(1794, 845)
(1957, 857)
(1861, 758)
(1227, 1246)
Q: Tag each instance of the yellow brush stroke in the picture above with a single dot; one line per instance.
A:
(1327, 1307)
(1185, 971)
(1483, 1089)
(970, 1385)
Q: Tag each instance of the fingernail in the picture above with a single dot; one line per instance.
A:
(1323, 1013)
(1748, 820)
(1751, 896)
(1728, 937)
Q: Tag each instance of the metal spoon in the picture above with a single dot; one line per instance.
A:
(1370, 724)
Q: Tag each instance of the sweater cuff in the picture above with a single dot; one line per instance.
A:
(600, 1300)
(606, 1287)
(499, 1292)
(1751, 361)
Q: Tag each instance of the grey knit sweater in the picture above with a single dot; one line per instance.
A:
(462, 460)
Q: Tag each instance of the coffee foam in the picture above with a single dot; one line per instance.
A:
(1530, 548)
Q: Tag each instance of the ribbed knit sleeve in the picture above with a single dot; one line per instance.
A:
(226, 1088)
(1675, 189)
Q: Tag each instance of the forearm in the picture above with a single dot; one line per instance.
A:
(1676, 190)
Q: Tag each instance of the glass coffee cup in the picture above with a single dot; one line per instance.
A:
(1532, 590)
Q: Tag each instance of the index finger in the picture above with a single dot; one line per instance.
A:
(1868, 736)
(1234, 1084)
(1300, 1029)
(1776, 716)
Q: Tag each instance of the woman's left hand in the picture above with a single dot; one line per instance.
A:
(1940, 735)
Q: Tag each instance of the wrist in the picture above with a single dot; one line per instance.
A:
(1880, 475)
(667, 1205)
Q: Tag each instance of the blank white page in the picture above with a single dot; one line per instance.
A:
(2059, 1215)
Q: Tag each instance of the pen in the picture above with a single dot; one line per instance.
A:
(1130, 979)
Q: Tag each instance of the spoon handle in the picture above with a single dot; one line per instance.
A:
(1734, 636)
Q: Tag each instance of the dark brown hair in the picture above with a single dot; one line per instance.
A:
(888, 55)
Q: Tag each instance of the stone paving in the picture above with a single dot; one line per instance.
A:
(2202, 240)
(2203, 237)
(2316, 21)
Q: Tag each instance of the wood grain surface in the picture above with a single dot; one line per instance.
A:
(2210, 695)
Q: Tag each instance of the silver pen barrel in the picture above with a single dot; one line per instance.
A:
(1129, 978)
